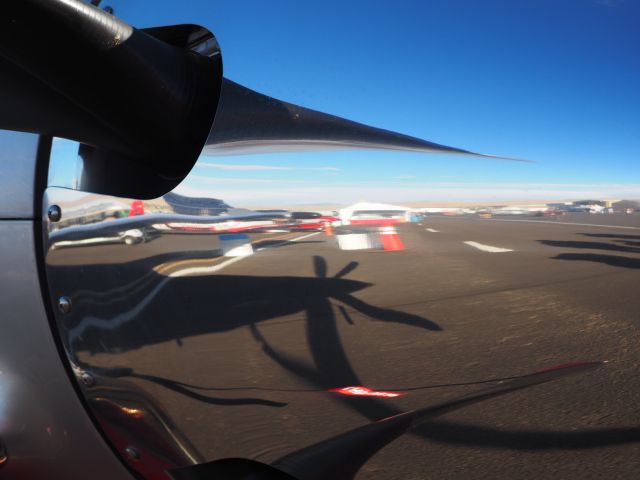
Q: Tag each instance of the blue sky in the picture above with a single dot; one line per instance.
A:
(554, 81)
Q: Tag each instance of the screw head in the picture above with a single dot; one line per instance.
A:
(64, 304)
(132, 453)
(54, 213)
(87, 379)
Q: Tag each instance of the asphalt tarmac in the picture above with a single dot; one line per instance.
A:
(467, 301)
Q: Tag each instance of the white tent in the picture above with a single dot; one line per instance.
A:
(346, 213)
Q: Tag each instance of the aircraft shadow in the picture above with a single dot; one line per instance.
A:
(630, 240)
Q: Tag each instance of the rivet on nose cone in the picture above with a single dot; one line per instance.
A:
(54, 213)
(132, 453)
(64, 304)
(87, 379)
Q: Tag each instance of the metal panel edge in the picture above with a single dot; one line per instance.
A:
(43, 425)
(17, 167)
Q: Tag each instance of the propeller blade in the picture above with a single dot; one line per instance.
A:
(250, 122)
(143, 102)
(340, 457)
(347, 269)
(320, 266)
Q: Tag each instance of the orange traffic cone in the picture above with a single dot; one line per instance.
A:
(328, 229)
(391, 239)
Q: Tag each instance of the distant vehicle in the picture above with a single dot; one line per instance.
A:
(579, 210)
(128, 237)
(305, 215)
(312, 220)
(279, 211)
(93, 212)
(553, 212)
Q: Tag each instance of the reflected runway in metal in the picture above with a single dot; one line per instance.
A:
(249, 347)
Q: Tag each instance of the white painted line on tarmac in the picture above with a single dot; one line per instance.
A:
(560, 222)
(488, 248)
(432, 230)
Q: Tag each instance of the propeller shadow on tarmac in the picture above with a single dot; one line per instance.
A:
(239, 301)
(331, 367)
(144, 310)
(629, 240)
